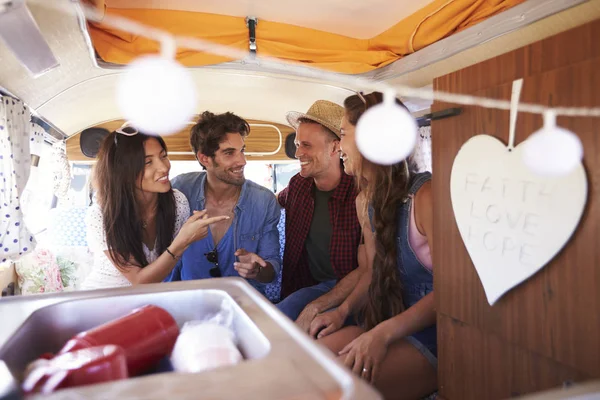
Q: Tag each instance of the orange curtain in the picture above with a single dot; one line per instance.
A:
(100, 5)
(338, 53)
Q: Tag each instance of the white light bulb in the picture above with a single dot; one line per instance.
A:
(386, 133)
(552, 151)
(157, 95)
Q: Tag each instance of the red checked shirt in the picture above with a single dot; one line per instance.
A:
(299, 204)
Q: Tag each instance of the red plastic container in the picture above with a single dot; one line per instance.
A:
(77, 368)
(146, 335)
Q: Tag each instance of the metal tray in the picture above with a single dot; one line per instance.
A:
(49, 328)
(281, 362)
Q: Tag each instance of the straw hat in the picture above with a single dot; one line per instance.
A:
(322, 112)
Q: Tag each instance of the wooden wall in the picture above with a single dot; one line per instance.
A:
(261, 139)
(546, 331)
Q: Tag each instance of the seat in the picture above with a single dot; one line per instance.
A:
(273, 290)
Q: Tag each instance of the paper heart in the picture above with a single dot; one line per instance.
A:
(512, 221)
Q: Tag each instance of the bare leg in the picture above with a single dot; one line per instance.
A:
(404, 374)
(338, 340)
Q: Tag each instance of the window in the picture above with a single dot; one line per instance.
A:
(37, 197)
(283, 174)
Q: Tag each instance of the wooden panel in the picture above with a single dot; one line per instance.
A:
(483, 366)
(554, 315)
(261, 139)
(567, 48)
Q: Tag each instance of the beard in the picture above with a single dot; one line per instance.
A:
(227, 177)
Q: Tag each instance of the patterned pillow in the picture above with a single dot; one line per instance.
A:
(273, 290)
(39, 272)
(56, 270)
(75, 263)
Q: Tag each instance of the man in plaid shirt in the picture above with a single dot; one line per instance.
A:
(322, 230)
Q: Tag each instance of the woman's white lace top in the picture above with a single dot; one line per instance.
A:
(104, 274)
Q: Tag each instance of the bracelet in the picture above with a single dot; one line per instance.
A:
(173, 255)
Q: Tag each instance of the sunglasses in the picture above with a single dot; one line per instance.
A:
(361, 96)
(213, 257)
(127, 130)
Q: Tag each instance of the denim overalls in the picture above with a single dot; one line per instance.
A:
(416, 279)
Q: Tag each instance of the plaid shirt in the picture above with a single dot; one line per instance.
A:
(299, 204)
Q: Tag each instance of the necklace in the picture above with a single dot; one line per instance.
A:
(237, 197)
(153, 214)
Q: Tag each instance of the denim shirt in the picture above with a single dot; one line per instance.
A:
(254, 226)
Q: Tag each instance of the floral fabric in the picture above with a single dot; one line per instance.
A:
(45, 271)
(39, 272)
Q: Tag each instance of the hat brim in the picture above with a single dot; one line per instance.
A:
(293, 117)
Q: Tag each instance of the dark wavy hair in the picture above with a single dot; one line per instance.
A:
(117, 173)
(211, 129)
(385, 189)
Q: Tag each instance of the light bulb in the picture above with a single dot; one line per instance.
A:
(157, 95)
(386, 133)
(552, 151)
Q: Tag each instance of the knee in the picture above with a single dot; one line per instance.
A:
(338, 340)
(333, 344)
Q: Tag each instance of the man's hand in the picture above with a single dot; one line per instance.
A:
(327, 323)
(307, 316)
(249, 264)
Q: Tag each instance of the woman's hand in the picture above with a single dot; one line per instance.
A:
(365, 354)
(195, 228)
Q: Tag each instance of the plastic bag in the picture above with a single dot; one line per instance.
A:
(207, 343)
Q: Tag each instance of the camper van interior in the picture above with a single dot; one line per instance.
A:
(477, 78)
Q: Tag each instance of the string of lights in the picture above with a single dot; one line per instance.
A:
(385, 123)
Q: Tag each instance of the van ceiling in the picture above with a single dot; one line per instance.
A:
(435, 21)
(78, 94)
(356, 19)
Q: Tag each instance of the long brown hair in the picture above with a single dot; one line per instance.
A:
(117, 173)
(385, 189)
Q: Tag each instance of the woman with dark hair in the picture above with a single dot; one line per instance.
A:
(139, 227)
(395, 345)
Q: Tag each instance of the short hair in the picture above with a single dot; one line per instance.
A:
(331, 136)
(211, 129)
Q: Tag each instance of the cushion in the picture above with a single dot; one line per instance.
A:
(273, 290)
(45, 270)
(39, 272)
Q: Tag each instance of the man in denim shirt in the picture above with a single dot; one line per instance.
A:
(247, 244)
